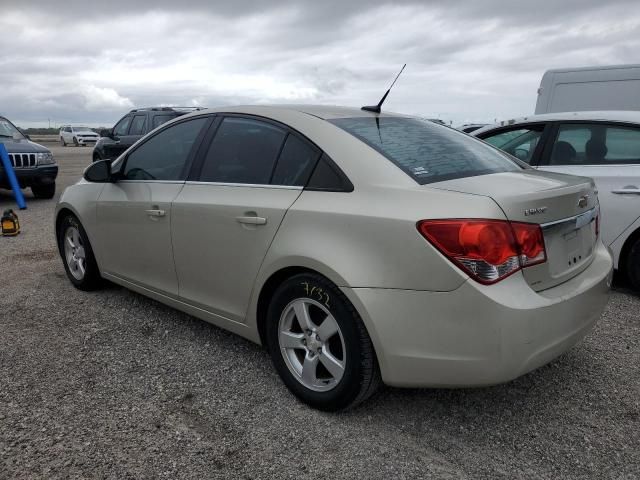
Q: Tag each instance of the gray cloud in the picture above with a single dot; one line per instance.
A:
(466, 60)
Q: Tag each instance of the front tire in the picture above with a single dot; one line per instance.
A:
(64, 144)
(319, 345)
(75, 142)
(44, 191)
(633, 265)
(77, 254)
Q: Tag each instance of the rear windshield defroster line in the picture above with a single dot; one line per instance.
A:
(427, 152)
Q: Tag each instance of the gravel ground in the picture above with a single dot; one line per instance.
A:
(113, 385)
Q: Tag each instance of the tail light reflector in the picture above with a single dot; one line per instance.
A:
(487, 250)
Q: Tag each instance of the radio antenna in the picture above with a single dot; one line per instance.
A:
(378, 108)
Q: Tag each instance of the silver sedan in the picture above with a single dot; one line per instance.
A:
(358, 247)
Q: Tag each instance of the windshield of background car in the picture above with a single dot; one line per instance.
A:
(8, 130)
(425, 151)
(82, 129)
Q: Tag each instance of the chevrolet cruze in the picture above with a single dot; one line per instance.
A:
(358, 247)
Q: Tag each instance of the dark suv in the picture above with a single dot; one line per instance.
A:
(133, 126)
(34, 164)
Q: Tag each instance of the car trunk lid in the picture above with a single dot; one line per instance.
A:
(564, 206)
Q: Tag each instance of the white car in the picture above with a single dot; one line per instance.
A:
(78, 136)
(602, 145)
(356, 246)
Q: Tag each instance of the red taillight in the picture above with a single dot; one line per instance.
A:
(488, 250)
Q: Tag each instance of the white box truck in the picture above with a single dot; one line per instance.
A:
(615, 87)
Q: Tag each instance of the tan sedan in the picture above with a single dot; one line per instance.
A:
(358, 247)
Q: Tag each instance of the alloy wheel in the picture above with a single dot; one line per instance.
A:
(312, 344)
(74, 252)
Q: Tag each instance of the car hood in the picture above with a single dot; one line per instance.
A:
(22, 146)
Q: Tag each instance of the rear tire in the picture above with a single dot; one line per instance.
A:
(77, 254)
(44, 191)
(632, 265)
(336, 347)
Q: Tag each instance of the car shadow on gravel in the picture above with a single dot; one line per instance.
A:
(621, 284)
(572, 370)
(499, 401)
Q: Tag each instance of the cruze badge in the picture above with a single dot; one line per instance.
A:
(534, 211)
(584, 201)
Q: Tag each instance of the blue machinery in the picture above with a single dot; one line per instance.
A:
(11, 175)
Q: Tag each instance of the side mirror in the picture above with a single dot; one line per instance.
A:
(106, 132)
(99, 172)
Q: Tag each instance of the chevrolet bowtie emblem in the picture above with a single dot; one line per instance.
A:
(583, 201)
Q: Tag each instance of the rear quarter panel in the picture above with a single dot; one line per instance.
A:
(368, 238)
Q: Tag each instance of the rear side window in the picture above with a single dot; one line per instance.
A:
(425, 151)
(327, 177)
(243, 151)
(137, 126)
(295, 163)
(164, 156)
(595, 144)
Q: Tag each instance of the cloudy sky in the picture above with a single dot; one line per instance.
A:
(467, 61)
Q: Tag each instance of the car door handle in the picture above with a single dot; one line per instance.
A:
(252, 220)
(627, 191)
(155, 213)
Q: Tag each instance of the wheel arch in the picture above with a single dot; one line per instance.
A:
(268, 288)
(277, 277)
(64, 209)
(62, 212)
(626, 248)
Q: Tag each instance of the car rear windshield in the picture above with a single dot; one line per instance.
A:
(425, 151)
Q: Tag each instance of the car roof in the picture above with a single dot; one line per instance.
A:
(604, 115)
(324, 112)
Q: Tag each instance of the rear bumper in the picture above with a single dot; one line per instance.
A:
(480, 335)
(27, 177)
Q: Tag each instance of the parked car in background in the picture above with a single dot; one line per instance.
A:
(356, 246)
(615, 87)
(470, 127)
(132, 127)
(33, 164)
(601, 145)
(78, 136)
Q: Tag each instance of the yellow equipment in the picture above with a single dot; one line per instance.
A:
(10, 223)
